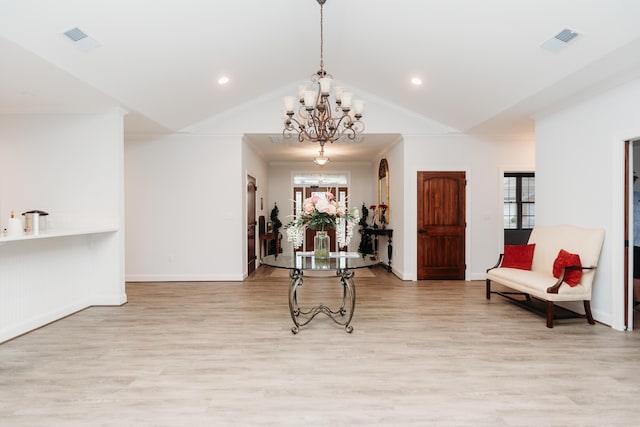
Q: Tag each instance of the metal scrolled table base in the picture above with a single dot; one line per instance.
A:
(301, 318)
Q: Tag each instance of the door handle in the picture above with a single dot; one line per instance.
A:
(421, 231)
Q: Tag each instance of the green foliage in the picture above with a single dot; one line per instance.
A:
(274, 218)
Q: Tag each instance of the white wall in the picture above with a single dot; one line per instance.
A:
(63, 164)
(72, 167)
(580, 180)
(483, 159)
(185, 203)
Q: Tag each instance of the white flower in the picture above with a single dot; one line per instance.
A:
(295, 235)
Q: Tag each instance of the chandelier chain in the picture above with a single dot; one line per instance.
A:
(321, 37)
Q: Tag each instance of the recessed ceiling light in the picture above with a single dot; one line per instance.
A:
(223, 80)
(416, 81)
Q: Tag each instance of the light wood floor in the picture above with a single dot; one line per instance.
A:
(422, 353)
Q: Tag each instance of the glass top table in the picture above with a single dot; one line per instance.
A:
(343, 263)
(306, 261)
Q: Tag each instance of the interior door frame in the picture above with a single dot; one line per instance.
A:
(629, 167)
(251, 182)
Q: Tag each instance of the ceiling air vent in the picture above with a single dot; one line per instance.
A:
(81, 39)
(566, 35)
(560, 40)
(75, 34)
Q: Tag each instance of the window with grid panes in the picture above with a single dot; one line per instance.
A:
(519, 201)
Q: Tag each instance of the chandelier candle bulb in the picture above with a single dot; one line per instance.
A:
(301, 90)
(325, 86)
(358, 106)
(289, 103)
(346, 100)
(309, 100)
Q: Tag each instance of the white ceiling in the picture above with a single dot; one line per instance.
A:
(481, 61)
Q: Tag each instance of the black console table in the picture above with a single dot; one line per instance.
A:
(375, 232)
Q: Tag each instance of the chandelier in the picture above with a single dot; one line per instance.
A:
(321, 160)
(315, 120)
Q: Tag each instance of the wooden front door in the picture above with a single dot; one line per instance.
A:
(441, 225)
(251, 224)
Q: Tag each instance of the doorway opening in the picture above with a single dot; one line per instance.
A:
(632, 235)
(306, 185)
(251, 224)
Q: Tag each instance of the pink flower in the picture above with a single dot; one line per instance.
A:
(308, 207)
(324, 206)
(329, 196)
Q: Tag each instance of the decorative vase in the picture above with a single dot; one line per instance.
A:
(321, 245)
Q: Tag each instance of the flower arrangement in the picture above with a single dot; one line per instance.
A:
(373, 208)
(383, 213)
(323, 213)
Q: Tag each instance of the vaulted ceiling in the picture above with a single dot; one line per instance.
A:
(481, 62)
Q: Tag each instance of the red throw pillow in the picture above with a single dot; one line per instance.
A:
(518, 256)
(565, 259)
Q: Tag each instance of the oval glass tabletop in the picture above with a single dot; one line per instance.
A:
(306, 261)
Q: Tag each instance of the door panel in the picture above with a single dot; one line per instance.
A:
(441, 225)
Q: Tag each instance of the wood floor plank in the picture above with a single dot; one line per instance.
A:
(421, 353)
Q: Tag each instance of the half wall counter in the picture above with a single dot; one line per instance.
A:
(48, 276)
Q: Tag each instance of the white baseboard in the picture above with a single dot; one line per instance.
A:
(184, 278)
(41, 320)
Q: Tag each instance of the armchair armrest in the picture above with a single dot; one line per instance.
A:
(497, 263)
(556, 286)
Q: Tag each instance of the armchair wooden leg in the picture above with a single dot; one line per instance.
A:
(587, 312)
(549, 314)
(488, 290)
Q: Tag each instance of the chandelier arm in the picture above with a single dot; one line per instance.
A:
(290, 124)
(318, 122)
(358, 126)
(294, 125)
(347, 132)
(348, 121)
